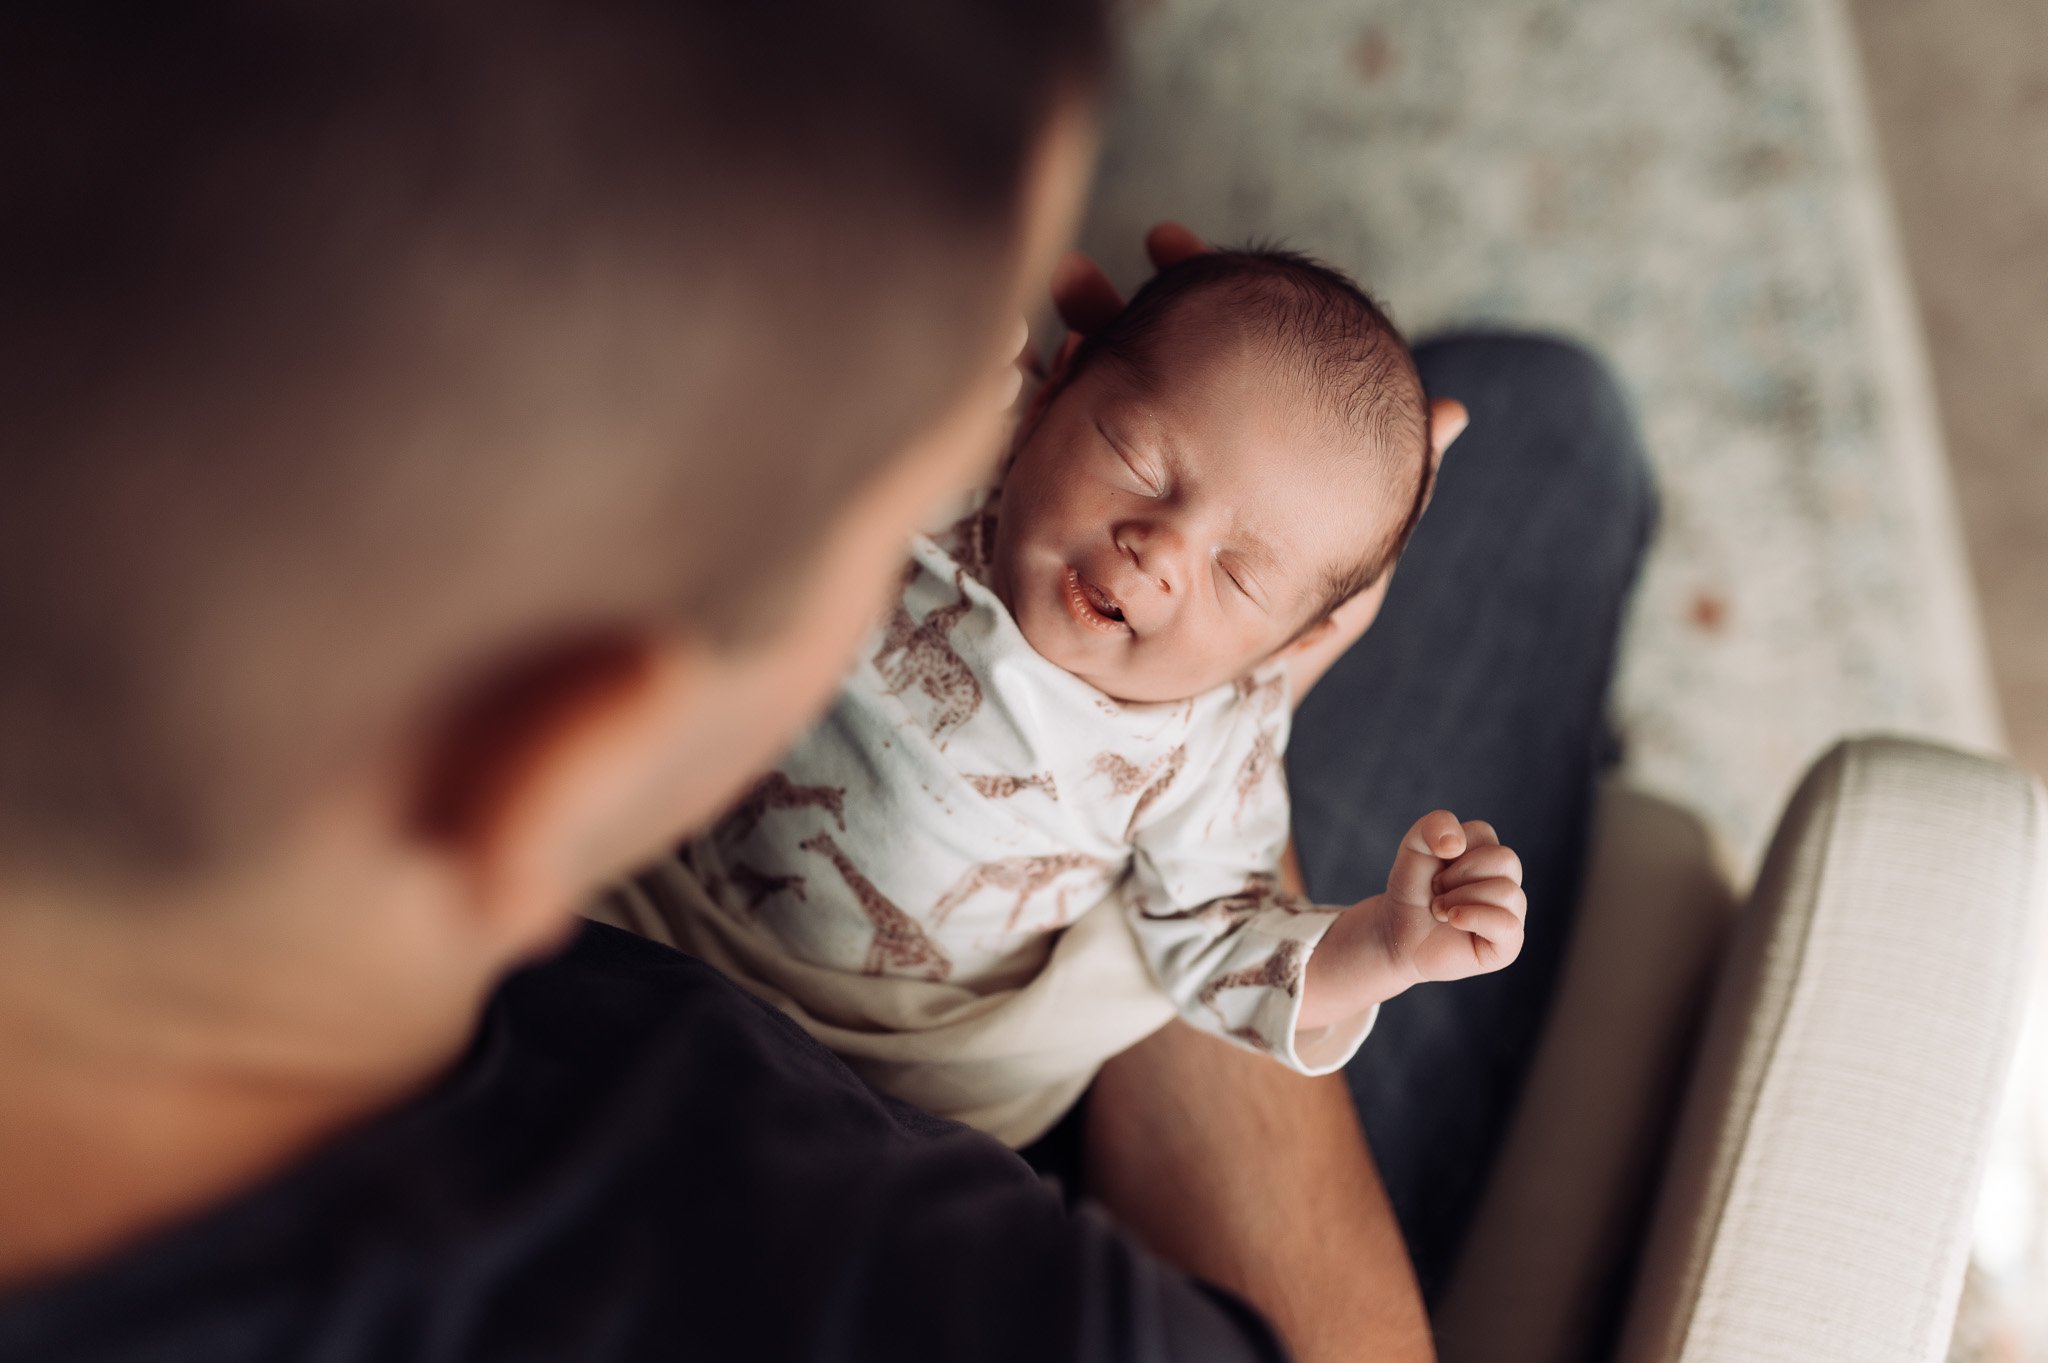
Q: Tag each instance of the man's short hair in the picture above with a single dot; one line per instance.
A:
(1324, 328)
(347, 346)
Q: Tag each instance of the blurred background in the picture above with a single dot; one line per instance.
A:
(1813, 237)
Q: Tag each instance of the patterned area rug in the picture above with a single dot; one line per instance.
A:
(1690, 188)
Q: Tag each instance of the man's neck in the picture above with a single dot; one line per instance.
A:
(141, 1089)
(100, 1155)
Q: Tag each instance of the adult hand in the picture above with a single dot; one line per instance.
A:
(1087, 301)
(1082, 292)
(1021, 368)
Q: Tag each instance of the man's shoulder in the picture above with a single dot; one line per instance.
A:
(635, 1160)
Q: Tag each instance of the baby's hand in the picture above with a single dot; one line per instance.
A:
(1453, 907)
(1454, 904)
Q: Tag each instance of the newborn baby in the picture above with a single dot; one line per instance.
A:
(1048, 809)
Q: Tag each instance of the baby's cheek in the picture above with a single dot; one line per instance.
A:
(1191, 661)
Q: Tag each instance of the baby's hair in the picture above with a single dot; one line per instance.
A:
(1355, 359)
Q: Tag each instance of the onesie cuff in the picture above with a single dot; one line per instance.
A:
(1319, 1050)
(1330, 1046)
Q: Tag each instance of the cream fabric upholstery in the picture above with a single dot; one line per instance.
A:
(1562, 1215)
(1818, 1199)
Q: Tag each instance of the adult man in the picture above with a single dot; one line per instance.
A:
(449, 450)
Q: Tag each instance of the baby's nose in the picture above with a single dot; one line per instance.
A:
(1156, 551)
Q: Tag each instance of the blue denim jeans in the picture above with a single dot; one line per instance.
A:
(1481, 688)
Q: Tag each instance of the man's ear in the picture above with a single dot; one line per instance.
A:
(542, 779)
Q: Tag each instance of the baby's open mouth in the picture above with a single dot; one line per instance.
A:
(1092, 606)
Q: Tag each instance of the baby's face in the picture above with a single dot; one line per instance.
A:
(1160, 541)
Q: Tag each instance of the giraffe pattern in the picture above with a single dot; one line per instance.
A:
(1223, 915)
(1126, 776)
(1258, 767)
(1261, 891)
(900, 945)
(777, 791)
(1024, 877)
(1282, 970)
(971, 540)
(1170, 769)
(921, 655)
(1263, 696)
(965, 811)
(997, 786)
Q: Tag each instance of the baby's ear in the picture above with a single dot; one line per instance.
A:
(1312, 636)
(1447, 421)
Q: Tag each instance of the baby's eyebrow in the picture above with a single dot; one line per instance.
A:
(1262, 555)
(1258, 549)
(1259, 554)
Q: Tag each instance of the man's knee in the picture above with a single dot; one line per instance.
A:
(1552, 404)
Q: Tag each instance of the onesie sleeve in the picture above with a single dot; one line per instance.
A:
(1225, 942)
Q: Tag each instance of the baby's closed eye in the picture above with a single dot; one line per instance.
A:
(1237, 581)
(1149, 480)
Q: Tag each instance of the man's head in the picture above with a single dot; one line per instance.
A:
(478, 429)
(1244, 449)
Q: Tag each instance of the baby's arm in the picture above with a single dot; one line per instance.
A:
(1299, 980)
(1242, 957)
(1453, 908)
(1229, 947)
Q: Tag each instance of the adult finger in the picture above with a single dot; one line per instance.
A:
(1010, 388)
(1169, 243)
(1430, 841)
(1023, 364)
(1082, 293)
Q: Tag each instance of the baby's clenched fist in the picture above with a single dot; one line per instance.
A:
(1454, 907)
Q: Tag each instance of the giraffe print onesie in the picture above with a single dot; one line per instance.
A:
(965, 800)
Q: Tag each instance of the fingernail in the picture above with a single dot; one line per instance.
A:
(1442, 914)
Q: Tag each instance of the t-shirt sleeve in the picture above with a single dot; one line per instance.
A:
(1226, 943)
(984, 1278)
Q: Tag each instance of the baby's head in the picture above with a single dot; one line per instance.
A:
(1242, 451)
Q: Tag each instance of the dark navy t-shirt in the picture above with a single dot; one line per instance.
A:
(638, 1161)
